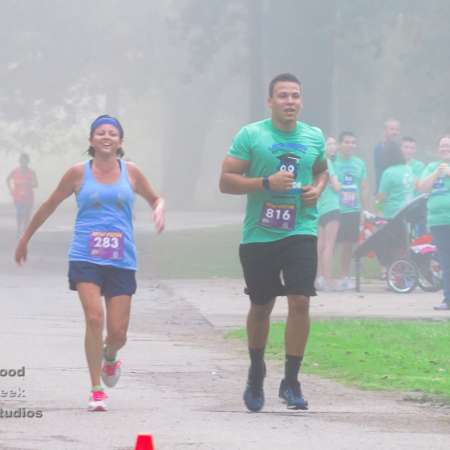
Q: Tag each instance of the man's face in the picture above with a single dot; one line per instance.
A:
(391, 130)
(331, 147)
(408, 149)
(444, 149)
(348, 146)
(286, 101)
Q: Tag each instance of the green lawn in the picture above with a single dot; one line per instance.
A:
(206, 253)
(375, 354)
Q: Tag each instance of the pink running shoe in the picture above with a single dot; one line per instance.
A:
(111, 372)
(97, 401)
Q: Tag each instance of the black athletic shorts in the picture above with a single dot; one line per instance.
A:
(329, 217)
(265, 264)
(349, 227)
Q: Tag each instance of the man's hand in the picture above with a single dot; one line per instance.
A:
(310, 194)
(281, 181)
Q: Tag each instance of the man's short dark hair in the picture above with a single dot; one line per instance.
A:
(283, 77)
(345, 134)
(408, 139)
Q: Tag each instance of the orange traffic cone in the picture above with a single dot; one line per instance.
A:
(144, 442)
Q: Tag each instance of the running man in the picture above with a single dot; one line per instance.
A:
(21, 182)
(280, 164)
(352, 176)
(102, 256)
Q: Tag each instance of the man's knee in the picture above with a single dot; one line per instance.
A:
(298, 305)
(261, 312)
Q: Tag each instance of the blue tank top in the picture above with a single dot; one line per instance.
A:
(104, 228)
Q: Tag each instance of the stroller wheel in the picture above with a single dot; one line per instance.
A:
(431, 280)
(402, 276)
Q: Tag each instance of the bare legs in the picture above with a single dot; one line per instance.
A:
(325, 248)
(297, 325)
(117, 319)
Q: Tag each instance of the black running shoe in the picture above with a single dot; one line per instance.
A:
(291, 393)
(254, 392)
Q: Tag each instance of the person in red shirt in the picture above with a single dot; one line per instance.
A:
(21, 182)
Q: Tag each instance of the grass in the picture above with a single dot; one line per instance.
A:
(375, 354)
(207, 253)
(201, 253)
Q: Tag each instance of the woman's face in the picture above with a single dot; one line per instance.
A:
(331, 147)
(106, 140)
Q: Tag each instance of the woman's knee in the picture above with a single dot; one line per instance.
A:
(94, 320)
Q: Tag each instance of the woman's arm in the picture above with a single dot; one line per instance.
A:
(65, 188)
(426, 184)
(143, 188)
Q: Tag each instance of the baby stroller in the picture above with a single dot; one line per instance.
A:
(410, 260)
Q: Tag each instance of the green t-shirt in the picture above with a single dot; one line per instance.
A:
(271, 216)
(350, 173)
(398, 186)
(438, 204)
(329, 200)
(416, 167)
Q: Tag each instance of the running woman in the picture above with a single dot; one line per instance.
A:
(280, 164)
(436, 180)
(102, 256)
(21, 183)
(328, 208)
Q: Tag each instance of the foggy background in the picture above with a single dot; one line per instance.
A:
(184, 75)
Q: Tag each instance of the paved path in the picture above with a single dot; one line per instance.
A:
(182, 381)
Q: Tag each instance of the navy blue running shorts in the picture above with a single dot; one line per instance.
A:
(284, 267)
(113, 281)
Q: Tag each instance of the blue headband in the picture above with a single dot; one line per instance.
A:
(106, 120)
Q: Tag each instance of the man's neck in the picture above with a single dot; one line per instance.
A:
(284, 126)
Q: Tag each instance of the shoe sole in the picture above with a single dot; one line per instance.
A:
(294, 407)
(98, 408)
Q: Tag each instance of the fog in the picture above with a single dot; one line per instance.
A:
(184, 75)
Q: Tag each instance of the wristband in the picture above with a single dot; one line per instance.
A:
(266, 183)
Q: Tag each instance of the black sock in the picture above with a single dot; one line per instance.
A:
(257, 367)
(291, 368)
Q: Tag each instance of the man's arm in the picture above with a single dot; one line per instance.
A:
(234, 181)
(311, 192)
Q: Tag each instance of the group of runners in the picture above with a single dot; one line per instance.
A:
(283, 165)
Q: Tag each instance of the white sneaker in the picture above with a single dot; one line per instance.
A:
(346, 284)
(111, 372)
(320, 283)
(97, 401)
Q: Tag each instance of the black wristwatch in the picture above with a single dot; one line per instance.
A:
(266, 183)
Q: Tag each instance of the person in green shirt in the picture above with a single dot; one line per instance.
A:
(408, 147)
(436, 180)
(397, 183)
(352, 176)
(328, 208)
(280, 164)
